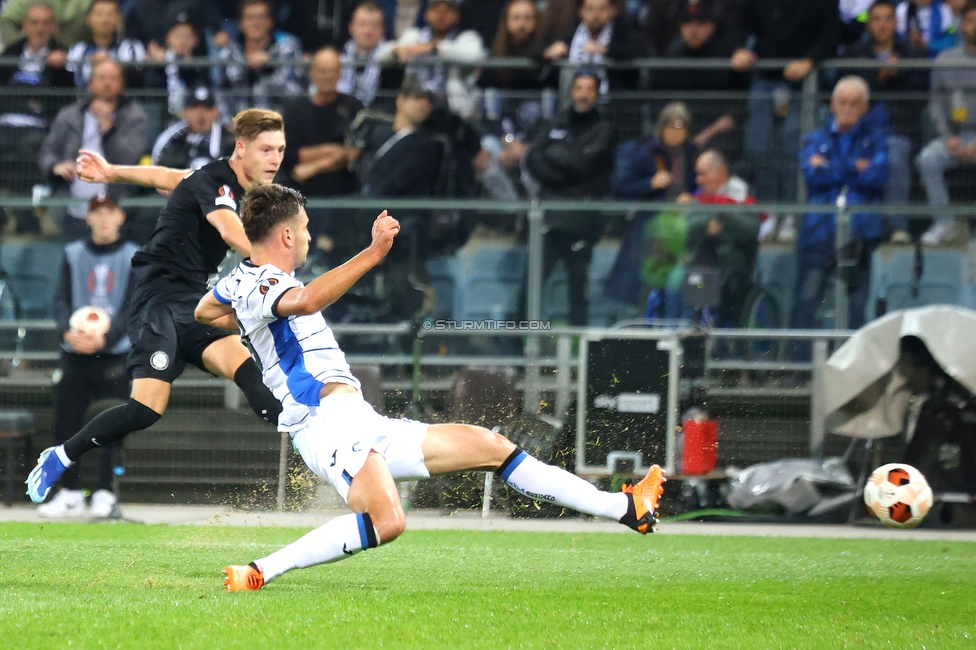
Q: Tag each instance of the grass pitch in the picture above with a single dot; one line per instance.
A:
(135, 586)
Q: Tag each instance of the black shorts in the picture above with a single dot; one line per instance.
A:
(164, 334)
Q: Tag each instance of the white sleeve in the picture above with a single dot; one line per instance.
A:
(272, 289)
(466, 48)
(223, 291)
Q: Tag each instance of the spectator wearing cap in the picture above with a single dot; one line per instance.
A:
(317, 159)
(602, 34)
(104, 20)
(804, 33)
(107, 122)
(24, 124)
(69, 19)
(94, 274)
(397, 159)
(182, 40)
(440, 56)
(571, 158)
(361, 74)
(197, 139)
(704, 34)
(260, 66)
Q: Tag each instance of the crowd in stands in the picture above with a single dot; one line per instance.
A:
(460, 128)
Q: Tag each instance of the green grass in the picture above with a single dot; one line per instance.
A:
(135, 586)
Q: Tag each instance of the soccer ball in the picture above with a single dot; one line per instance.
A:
(898, 495)
(93, 320)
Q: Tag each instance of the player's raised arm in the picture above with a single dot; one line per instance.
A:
(93, 168)
(330, 286)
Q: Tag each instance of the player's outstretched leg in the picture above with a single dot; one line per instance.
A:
(144, 408)
(458, 447)
(379, 520)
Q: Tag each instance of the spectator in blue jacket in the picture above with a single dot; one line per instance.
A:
(850, 155)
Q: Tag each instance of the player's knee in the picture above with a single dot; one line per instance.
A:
(502, 446)
(389, 524)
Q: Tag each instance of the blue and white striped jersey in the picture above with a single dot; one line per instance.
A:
(296, 354)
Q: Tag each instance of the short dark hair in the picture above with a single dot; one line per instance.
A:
(366, 5)
(265, 206)
(95, 2)
(244, 4)
(883, 3)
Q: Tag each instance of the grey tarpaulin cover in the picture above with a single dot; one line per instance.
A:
(796, 484)
(864, 389)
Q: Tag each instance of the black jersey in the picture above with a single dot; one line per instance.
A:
(184, 244)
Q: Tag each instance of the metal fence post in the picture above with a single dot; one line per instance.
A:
(533, 310)
(283, 469)
(845, 262)
(817, 415)
(808, 122)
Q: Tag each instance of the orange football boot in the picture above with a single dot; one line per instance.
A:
(243, 578)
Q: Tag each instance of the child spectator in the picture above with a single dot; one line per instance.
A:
(94, 273)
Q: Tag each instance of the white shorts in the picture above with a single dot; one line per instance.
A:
(344, 428)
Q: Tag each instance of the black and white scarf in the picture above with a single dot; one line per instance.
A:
(577, 55)
(428, 69)
(360, 82)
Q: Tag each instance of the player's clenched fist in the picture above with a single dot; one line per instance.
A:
(92, 167)
(385, 228)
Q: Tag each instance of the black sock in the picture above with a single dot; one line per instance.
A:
(262, 401)
(109, 426)
(630, 519)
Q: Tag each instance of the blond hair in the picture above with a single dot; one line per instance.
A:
(252, 122)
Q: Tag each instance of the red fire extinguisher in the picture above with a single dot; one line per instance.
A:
(699, 453)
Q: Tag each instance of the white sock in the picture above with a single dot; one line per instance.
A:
(67, 462)
(340, 538)
(537, 480)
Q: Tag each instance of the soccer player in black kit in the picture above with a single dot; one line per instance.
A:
(192, 236)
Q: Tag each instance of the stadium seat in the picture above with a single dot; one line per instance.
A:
(443, 273)
(944, 280)
(776, 272)
(555, 291)
(603, 312)
(33, 269)
(489, 280)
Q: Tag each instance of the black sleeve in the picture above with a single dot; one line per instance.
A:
(62, 298)
(120, 321)
(210, 194)
(585, 159)
(539, 161)
(747, 23)
(825, 46)
(624, 45)
(293, 136)
(417, 175)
